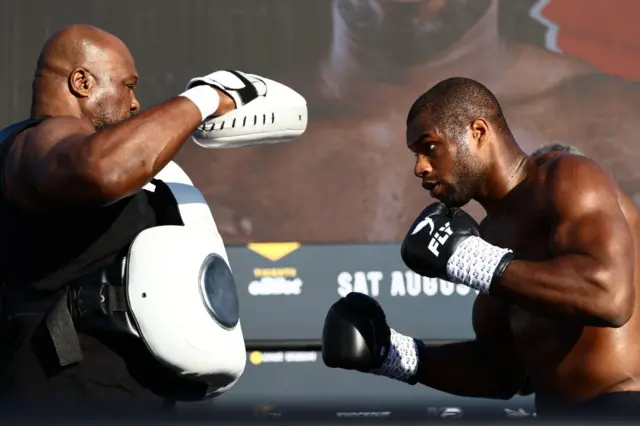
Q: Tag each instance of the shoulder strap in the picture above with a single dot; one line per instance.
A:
(9, 133)
(15, 129)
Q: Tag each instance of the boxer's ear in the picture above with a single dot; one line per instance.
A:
(80, 82)
(479, 131)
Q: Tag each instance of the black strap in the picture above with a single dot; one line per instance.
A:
(63, 334)
(165, 204)
(249, 91)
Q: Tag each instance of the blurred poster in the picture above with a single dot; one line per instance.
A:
(564, 70)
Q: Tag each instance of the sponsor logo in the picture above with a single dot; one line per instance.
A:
(519, 413)
(397, 284)
(257, 357)
(427, 221)
(275, 281)
(273, 251)
(365, 414)
(440, 238)
(264, 411)
(445, 412)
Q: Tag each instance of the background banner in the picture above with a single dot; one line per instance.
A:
(286, 290)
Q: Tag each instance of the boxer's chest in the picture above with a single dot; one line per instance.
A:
(528, 238)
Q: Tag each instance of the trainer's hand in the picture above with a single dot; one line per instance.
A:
(434, 237)
(227, 104)
(355, 334)
(252, 110)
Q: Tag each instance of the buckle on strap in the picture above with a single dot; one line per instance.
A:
(96, 295)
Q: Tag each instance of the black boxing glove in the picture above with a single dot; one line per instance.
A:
(444, 242)
(356, 336)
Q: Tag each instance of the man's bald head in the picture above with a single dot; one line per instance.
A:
(454, 103)
(83, 70)
(77, 46)
(458, 133)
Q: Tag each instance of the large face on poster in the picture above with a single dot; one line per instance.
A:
(559, 76)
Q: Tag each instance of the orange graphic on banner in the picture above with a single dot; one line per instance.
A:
(273, 251)
(602, 33)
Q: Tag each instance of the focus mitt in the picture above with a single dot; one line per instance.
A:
(266, 112)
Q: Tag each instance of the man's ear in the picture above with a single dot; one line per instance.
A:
(80, 82)
(479, 131)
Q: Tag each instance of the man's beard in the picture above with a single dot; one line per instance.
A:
(395, 31)
(468, 178)
(102, 120)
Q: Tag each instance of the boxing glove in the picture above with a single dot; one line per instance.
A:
(444, 242)
(356, 336)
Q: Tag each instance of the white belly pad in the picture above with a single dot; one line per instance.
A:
(165, 294)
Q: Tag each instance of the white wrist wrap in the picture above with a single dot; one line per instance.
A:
(402, 362)
(206, 99)
(474, 263)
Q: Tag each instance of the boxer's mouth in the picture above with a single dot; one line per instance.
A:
(429, 186)
(432, 187)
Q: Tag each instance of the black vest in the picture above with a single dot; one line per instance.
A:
(42, 254)
(39, 253)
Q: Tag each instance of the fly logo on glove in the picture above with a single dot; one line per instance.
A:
(453, 249)
(440, 238)
(425, 222)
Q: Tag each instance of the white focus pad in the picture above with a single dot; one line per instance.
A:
(267, 112)
(168, 305)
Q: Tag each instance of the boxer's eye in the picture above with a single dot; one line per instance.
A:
(429, 148)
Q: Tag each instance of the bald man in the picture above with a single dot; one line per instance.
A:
(71, 203)
(554, 262)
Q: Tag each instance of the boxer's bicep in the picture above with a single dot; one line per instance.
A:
(486, 367)
(589, 227)
(587, 218)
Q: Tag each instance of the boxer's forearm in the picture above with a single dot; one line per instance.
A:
(572, 286)
(468, 369)
(128, 154)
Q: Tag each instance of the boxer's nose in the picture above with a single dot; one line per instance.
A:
(423, 166)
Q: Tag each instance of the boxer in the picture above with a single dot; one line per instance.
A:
(116, 283)
(554, 263)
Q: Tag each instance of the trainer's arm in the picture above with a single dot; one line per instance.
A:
(590, 278)
(487, 367)
(65, 162)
